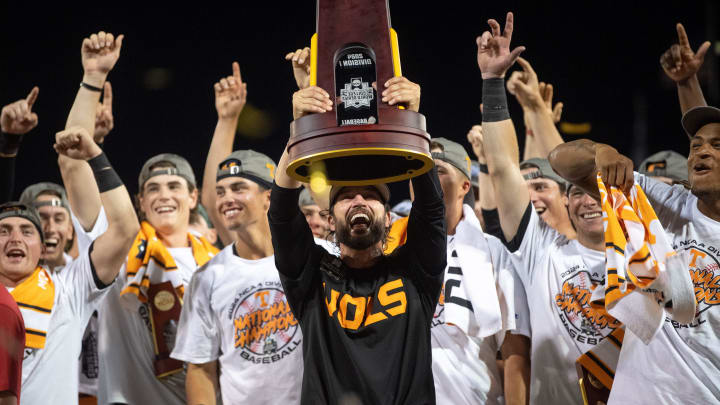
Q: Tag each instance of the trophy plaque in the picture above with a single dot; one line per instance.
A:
(363, 140)
(165, 306)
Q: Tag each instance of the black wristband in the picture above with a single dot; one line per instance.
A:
(91, 87)
(105, 176)
(9, 144)
(483, 168)
(494, 98)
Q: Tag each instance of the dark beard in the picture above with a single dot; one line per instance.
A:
(344, 235)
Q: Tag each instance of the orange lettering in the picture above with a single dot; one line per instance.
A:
(262, 295)
(695, 254)
(332, 305)
(398, 297)
(372, 318)
(359, 304)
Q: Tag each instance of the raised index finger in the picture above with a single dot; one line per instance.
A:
(107, 96)
(682, 36)
(236, 72)
(525, 65)
(30, 99)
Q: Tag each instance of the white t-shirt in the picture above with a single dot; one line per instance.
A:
(50, 375)
(236, 313)
(88, 364)
(464, 367)
(559, 276)
(681, 361)
(127, 352)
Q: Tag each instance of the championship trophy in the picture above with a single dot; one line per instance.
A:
(363, 140)
(165, 307)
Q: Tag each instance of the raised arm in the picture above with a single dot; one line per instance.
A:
(579, 162)
(541, 134)
(99, 53)
(230, 98)
(501, 146)
(16, 120)
(109, 249)
(681, 65)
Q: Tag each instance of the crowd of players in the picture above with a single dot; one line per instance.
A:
(251, 288)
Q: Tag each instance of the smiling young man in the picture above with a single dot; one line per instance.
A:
(57, 307)
(558, 274)
(681, 364)
(135, 366)
(237, 332)
(365, 317)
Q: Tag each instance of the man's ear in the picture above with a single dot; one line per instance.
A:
(331, 222)
(466, 187)
(193, 198)
(565, 200)
(388, 218)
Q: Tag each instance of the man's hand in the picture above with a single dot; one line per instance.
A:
(99, 53)
(494, 57)
(310, 100)
(17, 118)
(546, 91)
(76, 143)
(680, 62)
(616, 170)
(525, 87)
(400, 90)
(104, 121)
(230, 95)
(475, 137)
(301, 66)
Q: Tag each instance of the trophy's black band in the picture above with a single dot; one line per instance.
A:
(105, 176)
(495, 107)
(9, 144)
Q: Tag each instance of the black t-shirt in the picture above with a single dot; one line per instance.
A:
(366, 332)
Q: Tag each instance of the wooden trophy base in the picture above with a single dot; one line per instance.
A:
(359, 155)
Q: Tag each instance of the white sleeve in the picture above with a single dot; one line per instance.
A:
(198, 335)
(537, 238)
(85, 238)
(666, 200)
(80, 278)
(511, 293)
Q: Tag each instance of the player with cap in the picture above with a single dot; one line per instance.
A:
(365, 316)
(134, 365)
(476, 316)
(236, 331)
(681, 362)
(667, 166)
(316, 217)
(56, 307)
(557, 273)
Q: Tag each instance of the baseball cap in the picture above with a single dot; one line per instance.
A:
(666, 163)
(474, 173)
(696, 118)
(453, 153)
(18, 209)
(544, 170)
(182, 168)
(306, 198)
(381, 188)
(31, 193)
(248, 164)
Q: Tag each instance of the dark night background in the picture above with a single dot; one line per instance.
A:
(602, 59)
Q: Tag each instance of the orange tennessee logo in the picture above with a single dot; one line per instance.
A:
(353, 312)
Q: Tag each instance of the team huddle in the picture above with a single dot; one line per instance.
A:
(501, 281)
